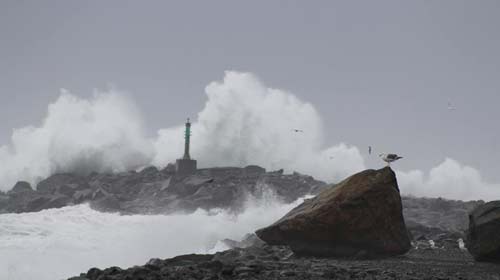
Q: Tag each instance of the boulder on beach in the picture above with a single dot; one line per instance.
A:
(483, 238)
(359, 217)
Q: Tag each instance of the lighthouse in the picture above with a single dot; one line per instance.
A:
(186, 165)
(187, 139)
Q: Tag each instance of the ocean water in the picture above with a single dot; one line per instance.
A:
(59, 243)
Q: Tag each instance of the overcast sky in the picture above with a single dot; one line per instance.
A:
(380, 73)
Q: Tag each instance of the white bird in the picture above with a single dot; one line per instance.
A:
(461, 244)
(297, 130)
(432, 243)
(389, 158)
(369, 150)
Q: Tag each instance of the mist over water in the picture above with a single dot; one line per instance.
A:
(243, 122)
(58, 243)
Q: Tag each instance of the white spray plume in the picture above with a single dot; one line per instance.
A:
(244, 122)
(449, 180)
(103, 133)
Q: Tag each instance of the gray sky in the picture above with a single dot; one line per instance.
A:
(379, 72)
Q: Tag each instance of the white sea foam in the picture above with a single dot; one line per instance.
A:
(58, 243)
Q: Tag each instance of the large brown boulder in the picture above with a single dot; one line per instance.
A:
(483, 235)
(361, 216)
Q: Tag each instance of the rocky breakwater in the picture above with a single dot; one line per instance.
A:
(54, 192)
(483, 235)
(361, 216)
(152, 191)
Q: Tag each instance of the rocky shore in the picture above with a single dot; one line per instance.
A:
(279, 262)
(433, 233)
(153, 191)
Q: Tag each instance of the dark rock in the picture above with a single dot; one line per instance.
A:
(67, 189)
(212, 265)
(287, 273)
(150, 173)
(197, 181)
(107, 203)
(150, 170)
(154, 262)
(420, 232)
(125, 183)
(278, 262)
(188, 259)
(430, 216)
(21, 187)
(94, 273)
(248, 240)
(169, 169)
(44, 201)
(252, 170)
(189, 185)
(277, 172)
(483, 238)
(153, 191)
(114, 270)
(362, 213)
(4, 202)
(57, 201)
(82, 196)
(165, 184)
(37, 204)
(290, 187)
(99, 193)
(66, 184)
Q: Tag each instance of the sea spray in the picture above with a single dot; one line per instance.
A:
(243, 122)
(58, 243)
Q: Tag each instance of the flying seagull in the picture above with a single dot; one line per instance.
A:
(297, 130)
(389, 158)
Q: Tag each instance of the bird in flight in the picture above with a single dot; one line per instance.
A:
(297, 130)
(389, 158)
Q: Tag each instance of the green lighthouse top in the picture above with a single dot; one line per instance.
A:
(187, 139)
